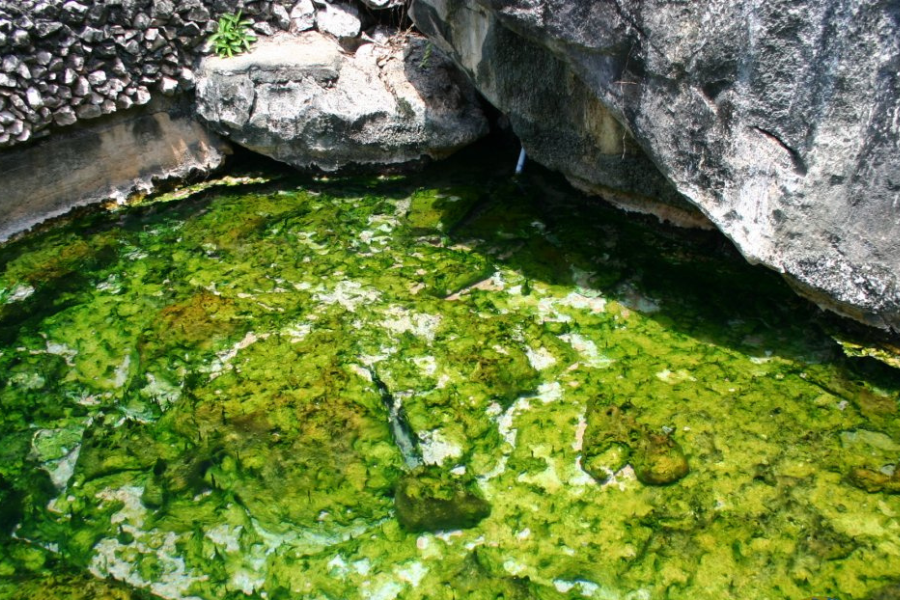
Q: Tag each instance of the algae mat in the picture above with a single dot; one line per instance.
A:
(220, 396)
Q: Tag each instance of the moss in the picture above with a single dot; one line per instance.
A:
(214, 365)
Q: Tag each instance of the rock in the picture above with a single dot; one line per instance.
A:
(429, 499)
(168, 86)
(300, 100)
(65, 116)
(303, 16)
(875, 481)
(127, 154)
(281, 16)
(659, 460)
(383, 4)
(776, 120)
(614, 438)
(339, 20)
(34, 99)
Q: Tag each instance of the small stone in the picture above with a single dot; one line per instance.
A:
(24, 136)
(23, 71)
(281, 16)
(6, 117)
(33, 97)
(339, 20)
(132, 47)
(303, 16)
(81, 87)
(264, 28)
(97, 77)
(108, 107)
(21, 39)
(64, 116)
(74, 12)
(383, 4)
(198, 13)
(69, 76)
(10, 63)
(7, 81)
(76, 61)
(43, 57)
(142, 96)
(88, 111)
(141, 21)
(16, 127)
(124, 102)
(168, 86)
(45, 29)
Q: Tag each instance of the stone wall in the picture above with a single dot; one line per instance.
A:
(64, 61)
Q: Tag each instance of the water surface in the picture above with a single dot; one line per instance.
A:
(218, 397)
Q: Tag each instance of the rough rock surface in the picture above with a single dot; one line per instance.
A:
(780, 119)
(302, 101)
(109, 159)
(63, 61)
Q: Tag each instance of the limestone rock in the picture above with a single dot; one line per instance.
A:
(300, 100)
(128, 154)
(339, 20)
(303, 16)
(776, 119)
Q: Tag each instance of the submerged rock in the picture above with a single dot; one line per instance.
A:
(778, 120)
(302, 101)
(614, 438)
(429, 499)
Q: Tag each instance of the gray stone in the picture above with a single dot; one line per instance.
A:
(383, 4)
(168, 86)
(303, 16)
(64, 116)
(20, 38)
(81, 87)
(281, 17)
(74, 12)
(7, 81)
(300, 100)
(776, 119)
(97, 77)
(142, 96)
(88, 111)
(339, 20)
(34, 99)
(11, 62)
(6, 117)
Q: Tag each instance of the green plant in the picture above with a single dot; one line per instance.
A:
(232, 36)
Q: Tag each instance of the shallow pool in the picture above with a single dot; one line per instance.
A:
(219, 394)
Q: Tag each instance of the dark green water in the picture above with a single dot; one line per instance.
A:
(220, 397)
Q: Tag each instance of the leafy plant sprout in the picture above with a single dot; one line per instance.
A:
(232, 36)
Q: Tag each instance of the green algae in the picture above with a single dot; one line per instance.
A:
(193, 400)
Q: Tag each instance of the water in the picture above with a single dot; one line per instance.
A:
(216, 397)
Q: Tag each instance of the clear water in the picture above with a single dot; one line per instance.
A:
(219, 396)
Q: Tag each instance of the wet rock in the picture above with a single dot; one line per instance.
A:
(659, 460)
(875, 481)
(302, 101)
(429, 499)
(614, 438)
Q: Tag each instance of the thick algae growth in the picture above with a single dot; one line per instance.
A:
(211, 398)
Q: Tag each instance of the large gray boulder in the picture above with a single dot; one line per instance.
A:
(778, 119)
(302, 100)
